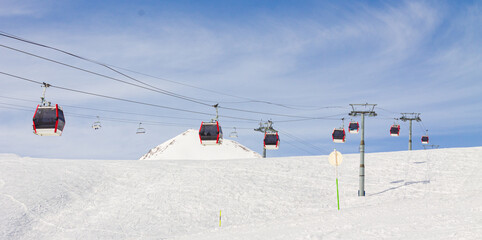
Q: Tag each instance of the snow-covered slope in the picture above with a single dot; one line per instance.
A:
(427, 194)
(187, 146)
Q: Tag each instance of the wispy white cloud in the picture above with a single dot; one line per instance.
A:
(32, 8)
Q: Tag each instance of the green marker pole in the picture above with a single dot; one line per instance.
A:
(333, 159)
(337, 195)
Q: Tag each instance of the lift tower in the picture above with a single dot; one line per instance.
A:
(410, 117)
(264, 128)
(362, 109)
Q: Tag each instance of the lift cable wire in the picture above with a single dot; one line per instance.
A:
(111, 67)
(105, 110)
(421, 122)
(123, 99)
(248, 100)
(330, 117)
(155, 90)
(386, 110)
(297, 147)
(305, 143)
(159, 116)
(150, 88)
(155, 124)
(171, 108)
(76, 115)
(298, 139)
(135, 121)
(266, 113)
(27, 108)
(422, 128)
(387, 118)
(15, 108)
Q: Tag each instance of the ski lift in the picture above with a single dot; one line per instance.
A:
(354, 127)
(48, 120)
(395, 130)
(425, 138)
(338, 135)
(233, 134)
(271, 140)
(96, 125)
(210, 133)
(140, 130)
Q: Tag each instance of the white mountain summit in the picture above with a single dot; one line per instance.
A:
(187, 146)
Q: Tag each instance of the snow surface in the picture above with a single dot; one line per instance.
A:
(187, 146)
(426, 194)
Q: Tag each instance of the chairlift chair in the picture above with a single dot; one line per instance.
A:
(395, 130)
(140, 130)
(233, 134)
(271, 140)
(338, 135)
(354, 127)
(210, 133)
(96, 125)
(424, 139)
(48, 120)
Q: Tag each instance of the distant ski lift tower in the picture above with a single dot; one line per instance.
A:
(430, 146)
(265, 128)
(410, 117)
(362, 110)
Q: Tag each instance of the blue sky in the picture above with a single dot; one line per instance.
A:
(317, 57)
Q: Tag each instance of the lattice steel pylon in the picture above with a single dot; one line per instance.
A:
(430, 146)
(362, 110)
(410, 117)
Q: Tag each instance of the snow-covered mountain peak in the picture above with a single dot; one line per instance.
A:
(187, 146)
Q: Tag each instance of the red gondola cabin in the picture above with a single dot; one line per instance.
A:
(48, 121)
(395, 130)
(353, 127)
(338, 135)
(210, 133)
(271, 141)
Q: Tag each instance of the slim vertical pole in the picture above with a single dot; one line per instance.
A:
(337, 194)
(410, 137)
(361, 191)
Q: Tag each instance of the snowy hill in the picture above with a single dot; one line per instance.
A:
(427, 194)
(186, 146)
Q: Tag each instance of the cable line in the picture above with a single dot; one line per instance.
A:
(422, 127)
(158, 90)
(305, 143)
(331, 117)
(303, 149)
(123, 120)
(112, 68)
(387, 110)
(113, 111)
(121, 99)
(155, 90)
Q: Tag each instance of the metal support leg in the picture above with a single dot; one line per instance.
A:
(361, 191)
